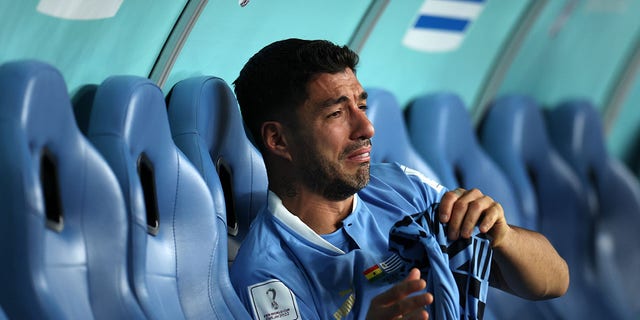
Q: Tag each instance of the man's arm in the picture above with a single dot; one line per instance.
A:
(528, 265)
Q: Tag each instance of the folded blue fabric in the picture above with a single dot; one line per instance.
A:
(456, 272)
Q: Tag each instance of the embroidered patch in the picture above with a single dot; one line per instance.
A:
(387, 270)
(273, 300)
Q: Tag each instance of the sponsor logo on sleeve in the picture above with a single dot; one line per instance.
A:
(273, 300)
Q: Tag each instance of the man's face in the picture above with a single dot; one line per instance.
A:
(332, 144)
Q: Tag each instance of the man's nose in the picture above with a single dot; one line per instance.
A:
(362, 127)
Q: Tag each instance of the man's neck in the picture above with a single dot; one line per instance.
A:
(321, 215)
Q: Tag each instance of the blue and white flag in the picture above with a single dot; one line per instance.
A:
(441, 24)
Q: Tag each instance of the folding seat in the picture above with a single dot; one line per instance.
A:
(175, 222)
(441, 130)
(391, 141)
(614, 197)
(64, 224)
(207, 126)
(514, 133)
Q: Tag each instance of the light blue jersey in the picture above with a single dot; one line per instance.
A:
(284, 270)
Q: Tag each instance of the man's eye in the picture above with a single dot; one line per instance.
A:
(334, 114)
(363, 107)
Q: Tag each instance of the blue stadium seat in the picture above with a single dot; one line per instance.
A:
(442, 132)
(514, 134)
(440, 128)
(391, 141)
(207, 126)
(614, 191)
(174, 238)
(64, 223)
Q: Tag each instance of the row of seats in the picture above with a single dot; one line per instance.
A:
(117, 204)
(105, 214)
(551, 173)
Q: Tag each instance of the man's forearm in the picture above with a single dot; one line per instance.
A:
(529, 265)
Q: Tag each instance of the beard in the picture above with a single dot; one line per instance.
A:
(327, 178)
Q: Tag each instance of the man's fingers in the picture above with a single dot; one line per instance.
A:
(446, 204)
(463, 210)
(411, 284)
(477, 211)
(414, 274)
(418, 314)
(491, 216)
(413, 308)
(460, 208)
(402, 299)
(409, 308)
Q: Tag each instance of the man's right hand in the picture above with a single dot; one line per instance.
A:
(396, 303)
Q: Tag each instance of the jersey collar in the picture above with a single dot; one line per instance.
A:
(294, 223)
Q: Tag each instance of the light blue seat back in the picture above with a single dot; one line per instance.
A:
(207, 126)
(174, 234)
(514, 134)
(440, 128)
(391, 141)
(577, 132)
(64, 224)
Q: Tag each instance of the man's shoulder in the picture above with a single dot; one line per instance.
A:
(394, 186)
(261, 257)
(395, 175)
(262, 241)
(265, 247)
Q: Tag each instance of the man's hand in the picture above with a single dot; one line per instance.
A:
(526, 262)
(396, 303)
(463, 209)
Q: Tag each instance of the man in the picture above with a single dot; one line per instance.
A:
(344, 238)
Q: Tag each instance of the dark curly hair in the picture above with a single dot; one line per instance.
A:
(273, 83)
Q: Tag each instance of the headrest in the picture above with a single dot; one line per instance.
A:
(35, 98)
(517, 126)
(131, 107)
(207, 125)
(440, 122)
(577, 131)
(391, 141)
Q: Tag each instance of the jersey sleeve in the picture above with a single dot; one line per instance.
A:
(272, 299)
(431, 190)
(267, 296)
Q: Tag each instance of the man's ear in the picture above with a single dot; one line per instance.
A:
(274, 139)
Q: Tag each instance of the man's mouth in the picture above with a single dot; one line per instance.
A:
(361, 153)
(360, 157)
